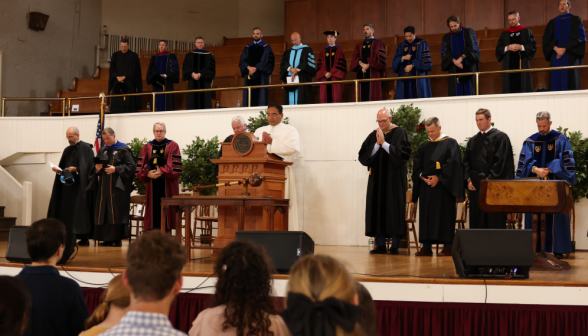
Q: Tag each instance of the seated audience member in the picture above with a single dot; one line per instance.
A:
(154, 278)
(15, 306)
(322, 299)
(59, 307)
(368, 320)
(114, 305)
(242, 301)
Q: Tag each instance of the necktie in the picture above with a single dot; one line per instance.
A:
(484, 133)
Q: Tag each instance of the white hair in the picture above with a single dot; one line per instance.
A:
(433, 120)
(239, 119)
(160, 124)
(75, 130)
(543, 115)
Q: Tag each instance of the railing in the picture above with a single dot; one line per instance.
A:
(249, 88)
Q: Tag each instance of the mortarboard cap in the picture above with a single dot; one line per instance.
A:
(332, 32)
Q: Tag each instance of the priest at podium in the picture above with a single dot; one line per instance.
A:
(284, 141)
(548, 154)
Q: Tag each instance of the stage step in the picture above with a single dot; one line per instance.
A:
(5, 224)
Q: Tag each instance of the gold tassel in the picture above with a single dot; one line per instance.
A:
(438, 166)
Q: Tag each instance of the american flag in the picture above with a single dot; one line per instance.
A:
(98, 143)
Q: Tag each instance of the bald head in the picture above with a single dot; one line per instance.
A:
(384, 119)
(295, 39)
(73, 135)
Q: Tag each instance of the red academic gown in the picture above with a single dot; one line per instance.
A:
(377, 61)
(332, 60)
(171, 171)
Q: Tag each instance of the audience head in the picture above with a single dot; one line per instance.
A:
(274, 114)
(108, 136)
(15, 306)
(433, 127)
(409, 34)
(296, 39)
(244, 286)
(238, 124)
(331, 37)
(117, 295)
(257, 34)
(321, 293)
(159, 131)
(199, 42)
(368, 30)
(162, 45)
(483, 119)
(513, 18)
(454, 24)
(46, 240)
(154, 266)
(368, 320)
(124, 45)
(73, 135)
(384, 119)
(564, 6)
(544, 122)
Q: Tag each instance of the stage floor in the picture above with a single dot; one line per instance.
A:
(367, 268)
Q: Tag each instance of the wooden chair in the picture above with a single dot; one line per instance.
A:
(514, 221)
(203, 222)
(410, 212)
(137, 215)
(461, 217)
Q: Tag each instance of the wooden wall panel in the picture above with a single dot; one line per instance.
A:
(532, 12)
(337, 15)
(483, 13)
(369, 11)
(437, 12)
(301, 17)
(399, 15)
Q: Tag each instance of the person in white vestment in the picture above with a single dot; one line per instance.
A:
(283, 140)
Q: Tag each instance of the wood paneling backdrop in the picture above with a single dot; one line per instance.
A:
(311, 17)
(331, 183)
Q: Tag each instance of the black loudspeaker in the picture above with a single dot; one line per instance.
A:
(17, 245)
(493, 253)
(284, 247)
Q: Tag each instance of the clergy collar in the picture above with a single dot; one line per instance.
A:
(116, 145)
(163, 53)
(515, 29)
(158, 143)
(299, 46)
(439, 138)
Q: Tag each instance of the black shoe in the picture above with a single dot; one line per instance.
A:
(393, 250)
(559, 255)
(106, 243)
(117, 243)
(379, 250)
(84, 242)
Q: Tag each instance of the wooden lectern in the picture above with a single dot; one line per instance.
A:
(242, 157)
(538, 197)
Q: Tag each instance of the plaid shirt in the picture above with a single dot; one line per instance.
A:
(140, 323)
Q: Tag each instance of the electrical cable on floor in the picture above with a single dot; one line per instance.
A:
(84, 282)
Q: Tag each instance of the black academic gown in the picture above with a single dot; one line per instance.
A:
(73, 205)
(260, 56)
(491, 157)
(453, 46)
(199, 61)
(127, 65)
(113, 194)
(386, 192)
(564, 31)
(300, 57)
(437, 204)
(516, 82)
(220, 153)
(163, 64)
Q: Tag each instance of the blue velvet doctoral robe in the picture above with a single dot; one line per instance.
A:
(421, 61)
(452, 47)
(260, 56)
(163, 64)
(552, 151)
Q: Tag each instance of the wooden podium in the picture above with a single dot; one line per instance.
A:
(538, 197)
(242, 157)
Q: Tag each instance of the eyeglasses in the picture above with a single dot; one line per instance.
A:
(382, 121)
(158, 131)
